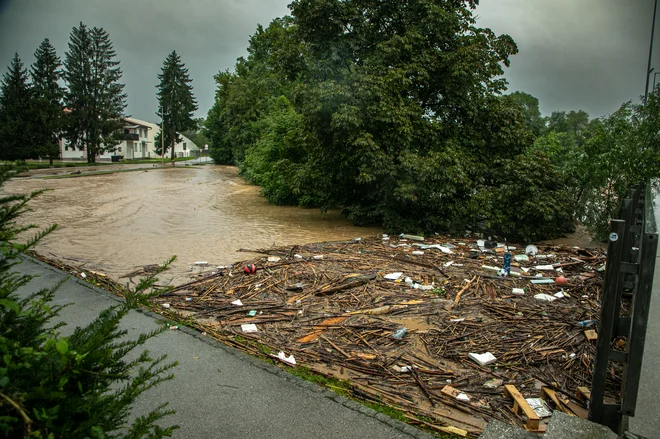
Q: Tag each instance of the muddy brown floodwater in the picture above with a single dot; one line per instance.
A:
(115, 223)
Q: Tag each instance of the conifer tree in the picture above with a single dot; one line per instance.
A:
(15, 116)
(177, 104)
(95, 96)
(47, 97)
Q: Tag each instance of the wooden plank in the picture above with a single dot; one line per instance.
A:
(520, 404)
(454, 430)
(320, 329)
(450, 391)
(579, 411)
(583, 393)
(547, 392)
(591, 334)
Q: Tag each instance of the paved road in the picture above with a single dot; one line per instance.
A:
(219, 392)
(646, 422)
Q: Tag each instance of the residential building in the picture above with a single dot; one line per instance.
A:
(137, 143)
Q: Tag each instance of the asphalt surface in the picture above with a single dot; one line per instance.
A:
(646, 422)
(219, 392)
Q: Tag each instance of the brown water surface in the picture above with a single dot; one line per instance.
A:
(114, 223)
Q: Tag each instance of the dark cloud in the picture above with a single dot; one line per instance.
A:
(574, 54)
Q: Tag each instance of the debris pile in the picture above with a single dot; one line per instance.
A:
(451, 331)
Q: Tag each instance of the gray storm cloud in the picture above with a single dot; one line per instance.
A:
(574, 54)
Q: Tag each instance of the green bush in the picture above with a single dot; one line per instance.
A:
(81, 386)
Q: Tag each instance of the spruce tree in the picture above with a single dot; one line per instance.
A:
(15, 115)
(176, 101)
(47, 101)
(95, 96)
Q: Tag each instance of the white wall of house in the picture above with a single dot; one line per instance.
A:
(143, 147)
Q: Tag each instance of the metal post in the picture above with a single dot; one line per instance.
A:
(648, 68)
(598, 411)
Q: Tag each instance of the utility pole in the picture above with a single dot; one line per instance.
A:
(648, 68)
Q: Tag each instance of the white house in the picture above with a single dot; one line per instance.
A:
(137, 143)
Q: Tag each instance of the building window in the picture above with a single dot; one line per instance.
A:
(119, 149)
(184, 146)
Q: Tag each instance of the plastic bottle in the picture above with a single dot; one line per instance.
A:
(400, 333)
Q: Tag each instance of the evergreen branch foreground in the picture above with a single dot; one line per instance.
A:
(80, 386)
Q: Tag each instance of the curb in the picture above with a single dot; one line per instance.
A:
(254, 361)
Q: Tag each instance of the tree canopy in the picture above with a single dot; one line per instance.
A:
(16, 117)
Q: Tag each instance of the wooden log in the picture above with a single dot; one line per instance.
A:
(520, 405)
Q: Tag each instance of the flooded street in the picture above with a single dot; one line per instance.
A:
(115, 223)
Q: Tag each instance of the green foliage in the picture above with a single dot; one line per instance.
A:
(390, 110)
(94, 94)
(176, 103)
(80, 386)
(16, 121)
(47, 101)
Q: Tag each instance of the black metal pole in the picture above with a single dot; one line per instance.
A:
(648, 68)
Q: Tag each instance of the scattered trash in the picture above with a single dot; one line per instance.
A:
(317, 257)
(518, 291)
(399, 333)
(250, 269)
(493, 383)
(175, 327)
(418, 253)
(540, 407)
(561, 280)
(290, 359)
(189, 299)
(402, 369)
(457, 320)
(252, 313)
(298, 286)
(483, 359)
(531, 250)
(545, 297)
(393, 276)
(166, 305)
(249, 327)
(83, 275)
(586, 323)
(412, 237)
(559, 295)
(544, 268)
(297, 256)
(274, 259)
(426, 287)
(237, 302)
(521, 258)
(448, 264)
(543, 280)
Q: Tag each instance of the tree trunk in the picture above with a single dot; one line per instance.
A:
(51, 161)
(173, 156)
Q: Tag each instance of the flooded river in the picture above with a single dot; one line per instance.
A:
(115, 223)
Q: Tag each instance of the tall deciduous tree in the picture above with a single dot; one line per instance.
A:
(47, 101)
(95, 96)
(15, 115)
(176, 101)
(529, 105)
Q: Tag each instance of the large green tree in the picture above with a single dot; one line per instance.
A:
(529, 105)
(15, 113)
(94, 96)
(48, 110)
(176, 102)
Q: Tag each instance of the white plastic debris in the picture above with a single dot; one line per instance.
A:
(542, 280)
(457, 320)
(402, 369)
(573, 355)
(521, 258)
(447, 264)
(237, 302)
(531, 250)
(290, 359)
(393, 276)
(418, 253)
(274, 259)
(249, 327)
(483, 359)
(481, 242)
(201, 263)
(545, 297)
(544, 267)
(318, 257)
(560, 295)
(166, 305)
(518, 291)
(463, 397)
(297, 256)
(83, 275)
(408, 281)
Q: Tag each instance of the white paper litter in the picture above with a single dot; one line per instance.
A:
(545, 298)
(393, 276)
(290, 359)
(166, 305)
(274, 259)
(483, 359)
(463, 397)
(518, 291)
(481, 242)
(249, 327)
(237, 302)
(83, 275)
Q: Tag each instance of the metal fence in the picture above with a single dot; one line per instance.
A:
(631, 256)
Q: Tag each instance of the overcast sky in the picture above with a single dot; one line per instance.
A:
(574, 54)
